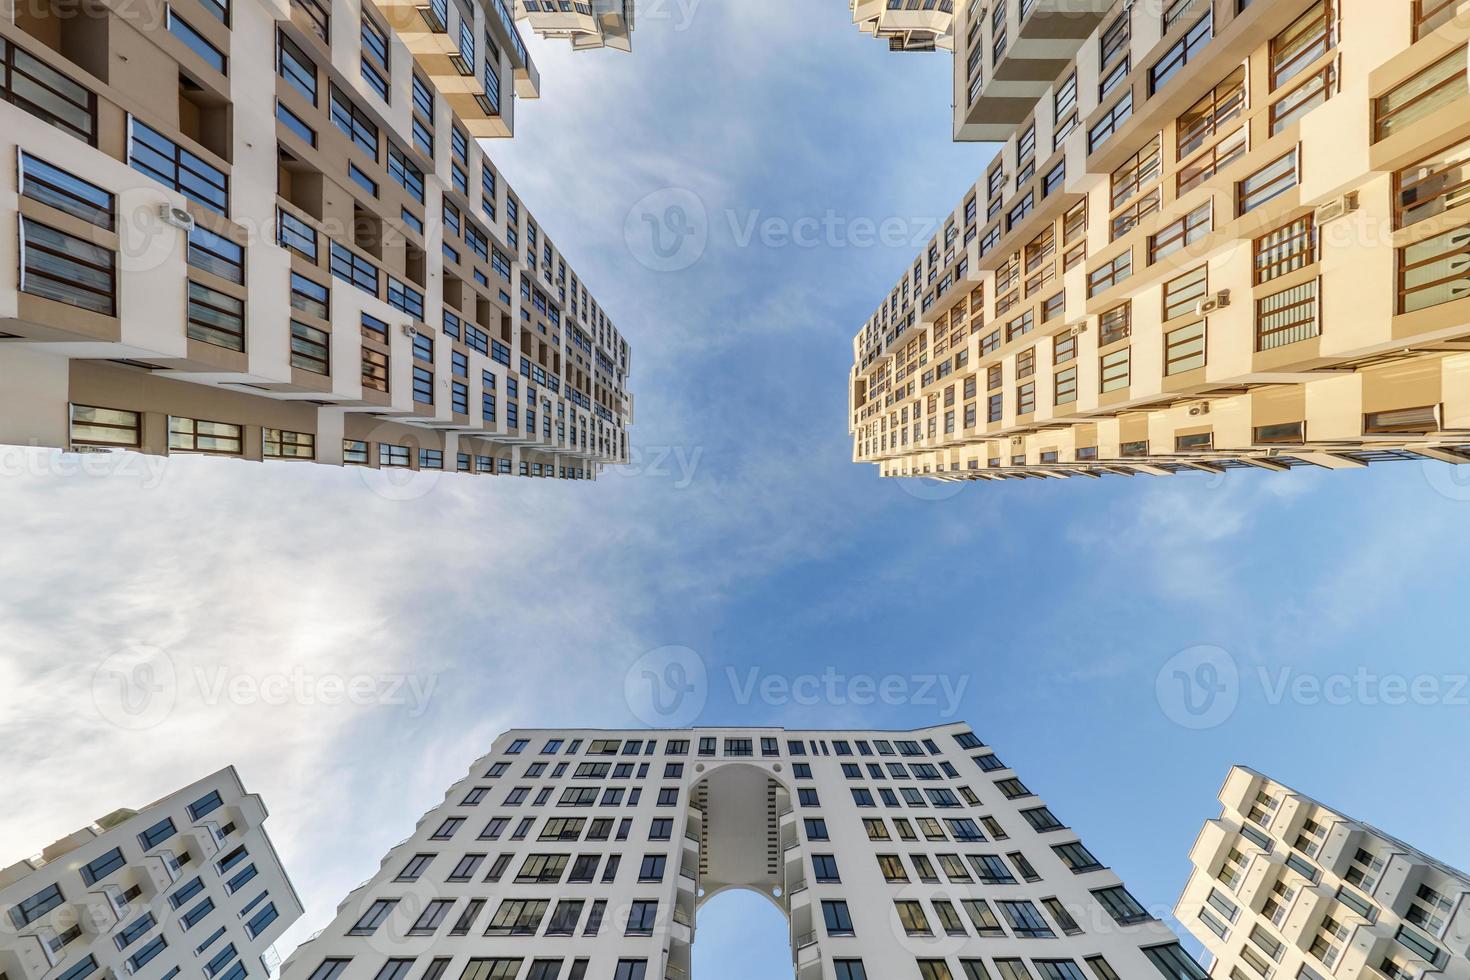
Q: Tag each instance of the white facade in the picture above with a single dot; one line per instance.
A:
(1285, 887)
(572, 854)
(188, 886)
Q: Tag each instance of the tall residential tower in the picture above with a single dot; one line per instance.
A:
(265, 229)
(586, 855)
(187, 886)
(1284, 886)
(1218, 234)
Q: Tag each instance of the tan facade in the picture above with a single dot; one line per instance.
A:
(1221, 237)
(267, 230)
(1284, 886)
(587, 24)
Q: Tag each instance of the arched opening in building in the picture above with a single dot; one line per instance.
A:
(742, 936)
(740, 853)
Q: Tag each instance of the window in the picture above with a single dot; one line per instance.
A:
(56, 188)
(1025, 920)
(199, 436)
(46, 93)
(1432, 271)
(911, 917)
(58, 266)
(1271, 181)
(36, 906)
(1173, 962)
(1287, 317)
(1122, 906)
(641, 916)
(824, 867)
(1182, 52)
(153, 154)
(373, 917)
(1305, 40)
(836, 918)
(1182, 233)
(652, 868)
(1183, 293)
(1291, 247)
(1315, 91)
(1184, 349)
(1110, 273)
(1205, 119)
(1104, 128)
(284, 444)
(375, 56)
(849, 970)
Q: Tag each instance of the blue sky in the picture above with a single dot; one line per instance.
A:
(743, 533)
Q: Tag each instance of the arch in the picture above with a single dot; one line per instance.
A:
(739, 808)
(739, 937)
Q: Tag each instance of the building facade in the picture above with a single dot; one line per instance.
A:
(574, 854)
(267, 230)
(188, 883)
(587, 24)
(1224, 234)
(1284, 886)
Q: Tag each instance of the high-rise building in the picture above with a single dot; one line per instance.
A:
(190, 883)
(1284, 886)
(587, 24)
(572, 854)
(268, 231)
(1220, 235)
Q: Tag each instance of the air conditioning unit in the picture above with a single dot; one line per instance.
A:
(1203, 408)
(178, 217)
(1333, 210)
(409, 330)
(1078, 330)
(1216, 302)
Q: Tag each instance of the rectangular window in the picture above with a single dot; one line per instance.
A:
(61, 267)
(1308, 38)
(1427, 92)
(1433, 271)
(1184, 349)
(153, 154)
(1114, 370)
(1271, 181)
(200, 436)
(1287, 317)
(1283, 251)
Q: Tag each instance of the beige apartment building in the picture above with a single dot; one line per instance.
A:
(1284, 886)
(265, 229)
(1221, 234)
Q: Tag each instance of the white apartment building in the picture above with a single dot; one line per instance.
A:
(586, 855)
(188, 887)
(1285, 887)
